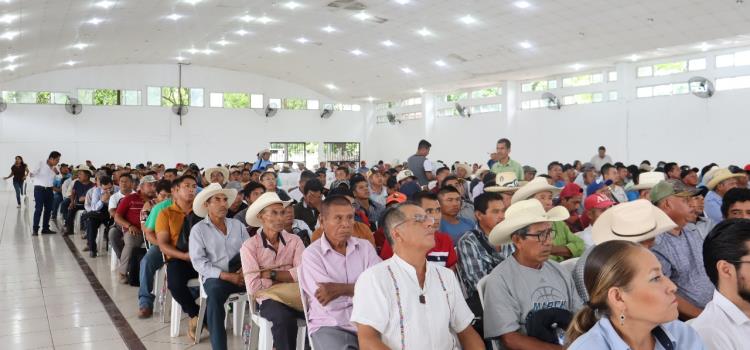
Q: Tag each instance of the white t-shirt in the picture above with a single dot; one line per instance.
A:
(114, 200)
(387, 298)
(722, 325)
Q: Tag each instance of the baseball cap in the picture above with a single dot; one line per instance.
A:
(339, 183)
(148, 179)
(571, 189)
(597, 201)
(395, 197)
(685, 170)
(747, 167)
(596, 186)
(667, 188)
(405, 174)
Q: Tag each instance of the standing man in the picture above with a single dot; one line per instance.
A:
(263, 162)
(44, 177)
(419, 165)
(504, 163)
(601, 158)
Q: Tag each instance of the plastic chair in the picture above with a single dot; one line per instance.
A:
(305, 305)
(237, 300)
(77, 223)
(570, 264)
(261, 337)
(480, 289)
(174, 330)
(161, 292)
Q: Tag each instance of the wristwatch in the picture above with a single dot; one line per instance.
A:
(273, 275)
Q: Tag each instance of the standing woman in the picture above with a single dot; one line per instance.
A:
(19, 171)
(632, 304)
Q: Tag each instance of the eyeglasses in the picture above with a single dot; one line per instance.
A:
(418, 218)
(542, 236)
(740, 262)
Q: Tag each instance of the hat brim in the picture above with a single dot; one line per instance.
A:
(200, 210)
(500, 189)
(224, 171)
(601, 231)
(643, 186)
(501, 233)
(717, 180)
(251, 217)
(530, 189)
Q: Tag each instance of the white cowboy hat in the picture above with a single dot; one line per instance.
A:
(224, 171)
(483, 168)
(83, 167)
(404, 174)
(635, 221)
(504, 182)
(715, 177)
(465, 167)
(647, 180)
(208, 192)
(266, 199)
(539, 184)
(522, 214)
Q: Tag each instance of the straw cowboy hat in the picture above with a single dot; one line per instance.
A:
(224, 171)
(83, 167)
(266, 199)
(505, 182)
(647, 180)
(635, 221)
(522, 214)
(715, 177)
(466, 167)
(208, 192)
(539, 184)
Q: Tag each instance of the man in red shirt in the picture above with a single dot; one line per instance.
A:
(443, 253)
(128, 216)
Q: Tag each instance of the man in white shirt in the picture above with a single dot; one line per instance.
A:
(418, 305)
(44, 177)
(724, 323)
(601, 158)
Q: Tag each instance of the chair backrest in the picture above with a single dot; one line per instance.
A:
(303, 296)
(569, 264)
(480, 289)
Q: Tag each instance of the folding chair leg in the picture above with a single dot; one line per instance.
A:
(201, 316)
(174, 330)
(238, 315)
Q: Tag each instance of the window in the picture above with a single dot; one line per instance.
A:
(697, 64)
(216, 99)
(612, 76)
(274, 102)
(256, 101)
(533, 104)
(582, 80)
(130, 97)
(236, 100)
(446, 112)
(487, 92)
(313, 104)
(196, 97)
(341, 151)
(645, 71)
(725, 61)
(343, 107)
(670, 68)
(741, 82)
(295, 103)
(109, 97)
(288, 151)
(168, 96)
(539, 85)
(488, 108)
(410, 116)
(737, 59)
(456, 96)
(613, 96)
(411, 101)
(662, 90)
(356, 108)
(645, 91)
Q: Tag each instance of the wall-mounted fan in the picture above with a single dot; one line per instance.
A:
(73, 107)
(701, 87)
(180, 110)
(270, 111)
(327, 113)
(3, 105)
(463, 111)
(551, 101)
(392, 118)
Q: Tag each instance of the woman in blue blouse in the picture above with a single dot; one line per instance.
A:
(632, 306)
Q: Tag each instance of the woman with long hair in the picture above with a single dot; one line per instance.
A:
(19, 171)
(632, 304)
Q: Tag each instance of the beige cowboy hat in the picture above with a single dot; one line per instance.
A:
(208, 192)
(505, 182)
(539, 184)
(635, 221)
(466, 167)
(224, 171)
(266, 199)
(83, 167)
(715, 177)
(522, 214)
(647, 180)
(404, 174)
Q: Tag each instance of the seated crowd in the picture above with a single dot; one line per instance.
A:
(422, 255)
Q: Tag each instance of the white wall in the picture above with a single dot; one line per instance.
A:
(139, 133)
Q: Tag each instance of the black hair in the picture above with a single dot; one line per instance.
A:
(243, 170)
(553, 164)
(340, 191)
(441, 170)
(54, 155)
(732, 196)
(424, 144)
(448, 189)
(421, 195)
(606, 168)
(391, 182)
(669, 166)
(482, 202)
(504, 141)
(602, 148)
(306, 176)
(164, 185)
(252, 186)
(448, 178)
(334, 200)
(105, 180)
(344, 169)
(706, 168)
(357, 178)
(727, 241)
(171, 170)
(178, 181)
(313, 185)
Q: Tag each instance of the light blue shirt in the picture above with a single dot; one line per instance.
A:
(211, 250)
(262, 164)
(712, 206)
(603, 336)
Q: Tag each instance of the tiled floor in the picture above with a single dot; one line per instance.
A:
(46, 301)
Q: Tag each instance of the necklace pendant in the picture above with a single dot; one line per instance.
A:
(421, 298)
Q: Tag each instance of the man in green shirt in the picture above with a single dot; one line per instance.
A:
(504, 163)
(151, 262)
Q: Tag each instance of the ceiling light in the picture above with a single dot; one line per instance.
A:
(370, 98)
(223, 42)
(357, 52)
(292, 5)
(105, 4)
(424, 32)
(525, 44)
(704, 46)
(71, 63)
(407, 70)
(634, 58)
(247, 18)
(8, 18)
(522, 4)
(192, 2)
(577, 66)
(242, 32)
(441, 63)
(11, 67)
(174, 16)
(207, 51)
(420, 90)
(9, 35)
(80, 46)
(468, 19)
(264, 20)
(331, 87)
(403, 2)
(279, 49)
(362, 16)
(10, 58)
(192, 51)
(95, 21)
(388, 43)
(302, 40)
(329, 29)
(180, 58)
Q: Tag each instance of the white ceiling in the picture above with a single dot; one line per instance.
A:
(563, 32)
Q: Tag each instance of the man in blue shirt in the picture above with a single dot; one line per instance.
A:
(263, 161)
(450, 206)
(718, 181)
